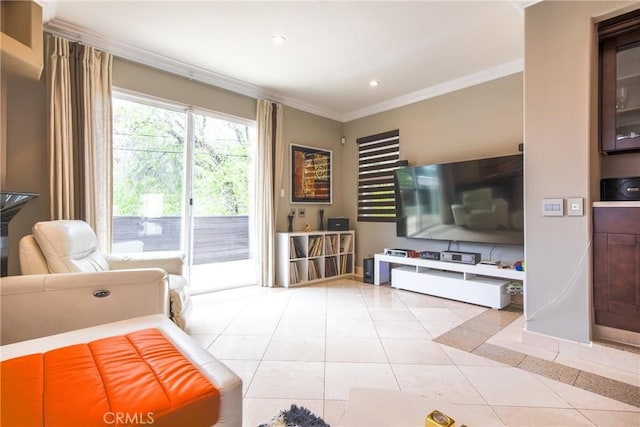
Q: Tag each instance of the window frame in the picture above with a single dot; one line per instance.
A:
(186, 244)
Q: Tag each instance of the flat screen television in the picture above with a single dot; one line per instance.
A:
(471, 201)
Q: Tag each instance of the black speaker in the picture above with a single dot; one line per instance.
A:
(620, 189)
(338, 224)
(367, 270)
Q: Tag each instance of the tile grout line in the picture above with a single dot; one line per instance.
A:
(633, 400)
(324, 361)
(373, 322)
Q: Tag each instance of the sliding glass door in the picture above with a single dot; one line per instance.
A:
(222, 157)
(181, 182)
(148, 177)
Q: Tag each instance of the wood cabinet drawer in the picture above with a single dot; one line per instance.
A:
(616, 220)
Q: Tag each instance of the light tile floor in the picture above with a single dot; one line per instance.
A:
(311, 345)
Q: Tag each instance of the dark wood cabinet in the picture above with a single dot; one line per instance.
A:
(616, 267)
(620, 84)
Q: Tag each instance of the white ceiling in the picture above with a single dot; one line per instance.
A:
(333, 49)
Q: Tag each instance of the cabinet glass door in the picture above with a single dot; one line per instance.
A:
(628, 92)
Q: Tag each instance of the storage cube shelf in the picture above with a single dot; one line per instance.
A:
(305, 258)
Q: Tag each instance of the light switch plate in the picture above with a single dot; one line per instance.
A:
(552, 207)
(575, 206)
(300, 212)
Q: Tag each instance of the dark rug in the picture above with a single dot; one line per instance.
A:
(296, 417)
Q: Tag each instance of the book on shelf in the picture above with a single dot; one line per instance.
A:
(294, 275)
(314, 272)
(346, 243)
(319, 246)
(330, 267)
(330, 245)
(345, 265)
(295, 248)
(312, 242)
(315, 246)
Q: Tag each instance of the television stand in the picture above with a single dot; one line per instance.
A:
(475, 284)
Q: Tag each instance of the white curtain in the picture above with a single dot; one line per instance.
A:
(80, 139)
(269, 168)
(98, 143)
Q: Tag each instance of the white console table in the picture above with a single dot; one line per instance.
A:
(476, 284)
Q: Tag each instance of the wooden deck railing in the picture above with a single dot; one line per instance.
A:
(215, 238)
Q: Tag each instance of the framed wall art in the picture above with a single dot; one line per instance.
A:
(310, 174)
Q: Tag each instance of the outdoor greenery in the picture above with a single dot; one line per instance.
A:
(221, 174)
(149, 162)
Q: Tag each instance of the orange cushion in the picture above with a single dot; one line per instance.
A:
(136, 379)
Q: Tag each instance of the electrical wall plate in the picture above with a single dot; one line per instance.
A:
(552, 207)
(301, 212)
(575, 206)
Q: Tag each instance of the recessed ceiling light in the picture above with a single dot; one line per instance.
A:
(374, 83)
(278, 39)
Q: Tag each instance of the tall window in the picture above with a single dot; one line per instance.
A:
(148, 176)
(378, 157)
(181, 182)
(220, 187)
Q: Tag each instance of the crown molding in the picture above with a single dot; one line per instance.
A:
(486, 75)
(79, 34)
(523, 4)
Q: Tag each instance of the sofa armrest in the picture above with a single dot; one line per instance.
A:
(39, 305)
(31, 259)
(169, 261)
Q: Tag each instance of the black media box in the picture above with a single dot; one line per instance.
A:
(367, 267)
(620, 189)
(338, 224)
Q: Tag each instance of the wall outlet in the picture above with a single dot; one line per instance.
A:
(301, 212)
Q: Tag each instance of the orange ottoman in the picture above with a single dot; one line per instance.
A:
(134, 379)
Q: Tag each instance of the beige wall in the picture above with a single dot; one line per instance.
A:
(302, 128)
(3, 130)
(146, 80)
(561, 160)
(480, 121)
(26, 154)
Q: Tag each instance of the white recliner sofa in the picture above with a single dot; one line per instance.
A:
(71, 246)
(42, 314)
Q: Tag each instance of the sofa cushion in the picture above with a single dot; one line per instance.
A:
(135, 378)
(69, 246)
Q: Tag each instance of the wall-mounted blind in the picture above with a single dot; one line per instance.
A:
(378, 157)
